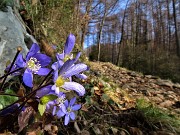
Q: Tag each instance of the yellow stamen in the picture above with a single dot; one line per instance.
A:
(67, 57)
(60, 81)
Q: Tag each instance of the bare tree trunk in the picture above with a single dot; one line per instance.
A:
(176, 32)
(122, 34)
(168, 25)
(100, 33)
(85, 23)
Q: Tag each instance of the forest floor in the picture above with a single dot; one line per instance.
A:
(124, 102)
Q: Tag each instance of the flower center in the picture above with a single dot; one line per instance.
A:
(60, 100)
(69, 109)
(33, 64)
(67, 57)
(60, 81)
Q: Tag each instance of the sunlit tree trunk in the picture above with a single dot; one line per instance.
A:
(122, 34)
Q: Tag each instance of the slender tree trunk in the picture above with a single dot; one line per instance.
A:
(85, 23)
(122, 34)
(99, 35)
(168, 25)
(176, 32)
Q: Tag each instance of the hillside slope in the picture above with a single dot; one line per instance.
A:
(123, 102)
(164, 93)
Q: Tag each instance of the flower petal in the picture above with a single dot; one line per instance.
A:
(55, 73)
(66, 103)
(76, 107)
(43, 59)
(81, 76)
(20, 61)
(44, 91)
(69, 45)
(67, 119)
(28, 78)
(63, 108)
(72, 115)
(43, 71)
(72, 101)
(55, 89)
(54, 66)
(60, 56)
(66, 66)
(60, 113)
(54, 110)
(77, 56)
(75, 69)
(34, 48)
(74, 86)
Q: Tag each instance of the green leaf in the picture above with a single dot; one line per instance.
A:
(6, 100)
(105, 98)
(41, 108)
(45, 99)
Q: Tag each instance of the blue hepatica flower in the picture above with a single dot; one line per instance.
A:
(69, 45)
(69, 109)
(33, 64)
(66, 55)
(66, 71)
(56, 106)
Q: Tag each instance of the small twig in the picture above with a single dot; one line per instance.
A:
(27, 96)
(10, 73)
(19, 49)
(45, 78)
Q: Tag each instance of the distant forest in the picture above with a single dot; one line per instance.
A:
(141, 35)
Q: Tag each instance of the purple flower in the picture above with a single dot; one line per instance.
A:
(66, 71)
(33, 64)
(69, 45)
(69, 111)
(66, 55)
(57, 105)
(44, 91)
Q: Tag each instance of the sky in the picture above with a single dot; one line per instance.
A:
(89, 39)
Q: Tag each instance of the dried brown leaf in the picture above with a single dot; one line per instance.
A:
(24, 117)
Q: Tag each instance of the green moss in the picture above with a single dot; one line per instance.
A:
(156, 115)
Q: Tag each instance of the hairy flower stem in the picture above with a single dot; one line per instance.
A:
(19, 49)
(46, 77)
(10, 73)
(27, 97)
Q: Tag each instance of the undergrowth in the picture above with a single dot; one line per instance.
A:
(156, 115)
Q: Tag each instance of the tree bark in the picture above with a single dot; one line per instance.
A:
(176, 32)
(122, 34)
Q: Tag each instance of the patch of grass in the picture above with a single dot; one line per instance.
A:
(156, 115)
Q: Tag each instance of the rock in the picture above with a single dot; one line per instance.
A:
(176, 85)
(146, 93)
(84, 132)
(11, 36)
(156, 99)
(133, 85)
(167, 83)
(160, 96)
(125, 86)
(166, 103)
(134, 74)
